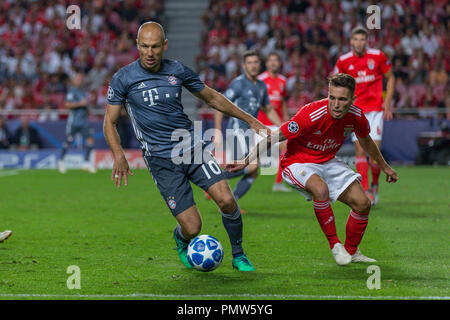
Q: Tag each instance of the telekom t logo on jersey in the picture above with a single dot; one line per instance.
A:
(152, 95)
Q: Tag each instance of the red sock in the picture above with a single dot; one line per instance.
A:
(279, 178)
(362, 167)
(325, 216)
(375, 168)
(356, 226)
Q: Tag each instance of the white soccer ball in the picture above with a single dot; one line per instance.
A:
(205, 253)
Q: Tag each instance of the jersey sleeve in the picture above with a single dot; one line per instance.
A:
(385, 64)
(233, 91)
(298, 125)
(191, 80)
(116, 91)
(362, 127)
(338, 67)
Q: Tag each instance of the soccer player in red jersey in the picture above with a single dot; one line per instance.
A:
(276, 88)
(368, 66)
(314, 135)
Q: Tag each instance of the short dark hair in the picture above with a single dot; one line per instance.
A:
(250, 53)
(360, 30)
(343, 80)
(276, 54)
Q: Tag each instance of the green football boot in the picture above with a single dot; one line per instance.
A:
(182, 251)
(242, 263)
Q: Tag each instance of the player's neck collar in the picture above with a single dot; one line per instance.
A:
(360, 56)
(249, 79)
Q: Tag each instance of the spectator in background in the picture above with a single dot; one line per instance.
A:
(298, 98)
(5, 136)
(258, 26)
(410, 42)
(26, 137)
(47, 109)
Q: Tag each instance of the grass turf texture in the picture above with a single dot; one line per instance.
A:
(122, 241)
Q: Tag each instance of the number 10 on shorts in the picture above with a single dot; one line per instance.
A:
(213, 166)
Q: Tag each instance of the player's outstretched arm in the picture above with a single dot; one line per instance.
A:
(219, 102)
(120, 168)
(390, 87)
(372, 150)
(260, 148)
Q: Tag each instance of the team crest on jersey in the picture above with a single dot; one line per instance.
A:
(110, 93)
(171, 202)
(293, 127)
(172, 80)
(371, 64)
(348, 130)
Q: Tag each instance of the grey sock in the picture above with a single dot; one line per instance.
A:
(233, 224)
(231, 175)
(180, 235)
(242, 187)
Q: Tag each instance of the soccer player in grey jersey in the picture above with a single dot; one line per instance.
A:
(76, 102)
(150, 89)
(250, 94)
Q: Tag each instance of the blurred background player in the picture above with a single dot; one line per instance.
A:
(76, 102)
(368, 66)
(315, 134)
(5, 235)
(277, 91)
(150, 88)
(249, 94)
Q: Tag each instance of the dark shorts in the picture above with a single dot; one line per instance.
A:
(173, 179)
(82, 128)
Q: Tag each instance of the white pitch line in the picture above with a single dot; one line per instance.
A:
(245, 295)
(8, 173)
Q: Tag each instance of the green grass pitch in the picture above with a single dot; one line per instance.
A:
(121, 239)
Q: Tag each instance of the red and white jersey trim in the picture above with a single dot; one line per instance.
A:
(356, 111)
(318, 113)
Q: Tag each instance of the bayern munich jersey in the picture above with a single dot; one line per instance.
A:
(248, 96)
(368, 72)
(276, 88)
(153, 103)
(315, 137)
(77, 116)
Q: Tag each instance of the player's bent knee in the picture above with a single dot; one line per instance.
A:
(321, 192)
(363, 206)
(227, 203)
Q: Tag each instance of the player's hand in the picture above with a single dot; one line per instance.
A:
(260, 128)
(236, 166)
(391, 175)
(387, 113)
(120, 171)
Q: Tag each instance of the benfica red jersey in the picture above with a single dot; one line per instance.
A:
(276, 88)
(368, 72)
(315, 137)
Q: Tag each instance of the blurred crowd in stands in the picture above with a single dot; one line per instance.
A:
(38, 53)
(310, 36)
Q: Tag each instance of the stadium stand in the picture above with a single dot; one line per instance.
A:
(38, 54)
(310, 35)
